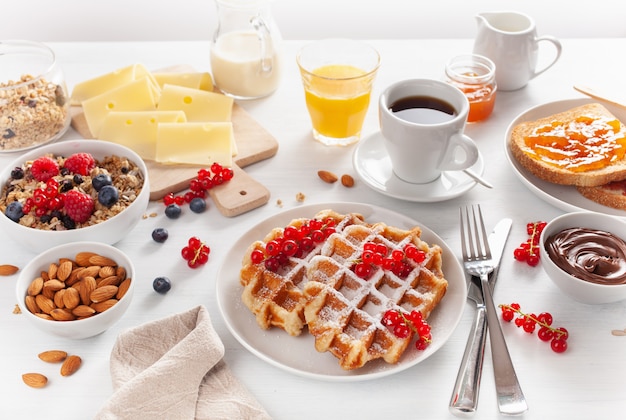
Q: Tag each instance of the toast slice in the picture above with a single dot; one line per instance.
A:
(562, 151)
(612, 194)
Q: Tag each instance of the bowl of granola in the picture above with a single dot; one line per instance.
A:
(34, 105)
(72, 191)
(76, 290)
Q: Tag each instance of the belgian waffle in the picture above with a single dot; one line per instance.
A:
(343, 311)
(276, 298)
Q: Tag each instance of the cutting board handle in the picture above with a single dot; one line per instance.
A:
(243, 194)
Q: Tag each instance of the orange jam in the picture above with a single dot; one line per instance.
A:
(584, 144)
(481, 98)
(475, 76)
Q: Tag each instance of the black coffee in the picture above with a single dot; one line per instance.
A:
(423, 110)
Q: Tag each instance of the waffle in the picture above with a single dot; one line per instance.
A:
(343, 311)
(276, 298)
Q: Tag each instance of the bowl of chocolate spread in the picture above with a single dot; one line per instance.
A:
(584, 254)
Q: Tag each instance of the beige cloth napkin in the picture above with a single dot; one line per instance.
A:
(173, 369)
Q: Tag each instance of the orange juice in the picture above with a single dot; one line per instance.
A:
(337, 97)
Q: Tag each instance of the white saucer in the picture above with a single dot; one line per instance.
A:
(373, 165)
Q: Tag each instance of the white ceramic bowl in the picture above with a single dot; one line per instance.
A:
(35, 124)
(82, 328)
(575, 288)
(109, 231)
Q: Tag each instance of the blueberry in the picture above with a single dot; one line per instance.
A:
(17, 173)
(100, 181)
(173, 211)
(160, 235)
(162, 285)
(108, 195)
(197, 205)
(76, 178)
(14, 211)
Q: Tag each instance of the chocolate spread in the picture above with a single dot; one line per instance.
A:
(592, 255)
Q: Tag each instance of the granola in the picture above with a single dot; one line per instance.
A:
(33, 111)
(125, 176)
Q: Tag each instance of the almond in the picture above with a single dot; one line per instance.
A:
(52, 271)
(34, 380)
(44, 303)
(103, 306)
(8, 269)
(347, 181)
(106, 271)
(101, 260)
(103, 293)
(87, 285)
(83, 311)
(58, 298)
(44, 316)
(54, 285)
(70, 365)
(108, 281)
(71, 298)
(120, 272)
(60, 314)
(64, 270)
(91, 271)
(53, 356)
(123, 288)
(31, 304)
(82, 258)
(35, 287)
(327, 176)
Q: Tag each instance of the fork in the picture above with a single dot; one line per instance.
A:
(477, 262)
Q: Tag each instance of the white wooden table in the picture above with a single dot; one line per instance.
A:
(588, 381)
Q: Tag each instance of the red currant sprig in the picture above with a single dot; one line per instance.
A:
(403, 325)
(528, 322)
(196, 252)
(529, 251)
(294, 242)
(45, 199)
(203, 182)
(376, 254)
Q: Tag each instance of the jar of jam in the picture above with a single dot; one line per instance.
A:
(475, 75)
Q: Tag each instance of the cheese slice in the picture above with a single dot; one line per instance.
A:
(195, 143)
(195, 80)
(137, 130)
(108, 81)
(198, 105)
(134, 96)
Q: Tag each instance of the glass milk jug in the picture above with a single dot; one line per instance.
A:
(245, 57)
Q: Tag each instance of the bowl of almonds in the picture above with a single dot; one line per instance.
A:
(76, 290)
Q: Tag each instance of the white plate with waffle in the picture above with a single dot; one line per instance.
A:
(297, 354)
(372, 163)
(564, 197)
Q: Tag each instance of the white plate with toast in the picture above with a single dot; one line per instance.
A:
(297, 354)
(564, 197)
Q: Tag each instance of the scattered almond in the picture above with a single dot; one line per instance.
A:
(300, 197)
(70, 365)
(327, 176)
(8, 269)
(16, 309)
(619, 332)
(34, 380)
(347, 181)
(53, 356)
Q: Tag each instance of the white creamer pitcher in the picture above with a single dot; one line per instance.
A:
(510, 40)
(245, 53)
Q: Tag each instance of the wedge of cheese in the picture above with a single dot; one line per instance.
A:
(137, 130)
(195, 143)
(198, 105)
(137, 95)
(195, 80)
(108, 81)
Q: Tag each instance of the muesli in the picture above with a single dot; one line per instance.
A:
(62, 193)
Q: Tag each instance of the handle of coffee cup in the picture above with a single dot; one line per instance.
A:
(557, 44)
(450, 161)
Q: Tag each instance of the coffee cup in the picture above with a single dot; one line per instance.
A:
(422, 123)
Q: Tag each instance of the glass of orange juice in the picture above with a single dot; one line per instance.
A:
(337, 75)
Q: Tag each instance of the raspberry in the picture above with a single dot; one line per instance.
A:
(44, 168)
(80, 163)
(78, 206)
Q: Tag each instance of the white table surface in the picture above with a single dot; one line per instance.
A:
(588, 381)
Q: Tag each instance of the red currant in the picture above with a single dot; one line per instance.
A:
(558, 345)
(401, 330)
(508, 315)
(257, 256)
(363, 270)
(545, 334)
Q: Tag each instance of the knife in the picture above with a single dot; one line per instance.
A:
(464, 398)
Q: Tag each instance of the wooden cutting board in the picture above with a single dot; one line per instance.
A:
(239, 195)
